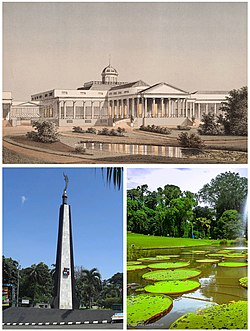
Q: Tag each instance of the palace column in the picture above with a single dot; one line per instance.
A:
(162, 107)
(145, 107)
(153, 108)
(64, 109)
(199, 110)
(206, 108)
(138, 107)
(92, 109)
(74, 109)
(59, 110)
(128, 112)
(133, 107)
(100, 109)
(215, 109)
(84, 110)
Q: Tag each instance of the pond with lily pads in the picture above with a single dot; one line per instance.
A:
(166, 284)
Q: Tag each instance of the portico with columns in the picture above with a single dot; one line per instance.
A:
(106, 101)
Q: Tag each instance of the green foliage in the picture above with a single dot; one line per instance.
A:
(112, 291)
(191, 140)
(144, 307)
(88, 285)
(173, 287)
(244, 282)
(235, 112)
(162, 212)
(226, 316)
(176, 274)
(210, 125)
(10, 270)
(230, 225)
(227, 191)
(36, 283)
(46, 132)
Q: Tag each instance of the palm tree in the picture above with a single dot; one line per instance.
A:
(91, 281)
(114, 175)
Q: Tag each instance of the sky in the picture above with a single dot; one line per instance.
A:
(61, 45)
(31, 202)
(188, 179)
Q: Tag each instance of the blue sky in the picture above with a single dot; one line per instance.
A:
(31, 201)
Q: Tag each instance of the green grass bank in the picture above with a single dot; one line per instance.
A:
(146, 241)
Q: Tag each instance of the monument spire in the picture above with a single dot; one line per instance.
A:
(64, 282)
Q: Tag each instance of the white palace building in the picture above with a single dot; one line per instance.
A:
(107, 101)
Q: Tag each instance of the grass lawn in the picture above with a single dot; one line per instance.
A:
(145, 241)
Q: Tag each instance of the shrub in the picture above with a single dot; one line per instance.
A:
(91, 130)
(104, 132)
(80, 149)
(46, 132)
(190, 141)
(113, 132)
(155, 128)
(121, 131)
(210, 126)
(78, 129)
(223, 242)
(182, 127)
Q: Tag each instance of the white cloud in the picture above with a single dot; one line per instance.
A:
(188, 179)
(23, 199)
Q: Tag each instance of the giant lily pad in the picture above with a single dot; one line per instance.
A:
(133, 262)
(208, 261)
(217, 255)
(232, 264)
(173, 287)
(244, 281)
(164, 256)
(199, 252)
(236, 255)
(177, 274)
(169, 265)
(152, 259)
(226, 316)
(136, 267)
(143, 308)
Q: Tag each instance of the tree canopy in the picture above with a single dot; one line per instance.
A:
(170, 212)
(235, 112)
(227, 191)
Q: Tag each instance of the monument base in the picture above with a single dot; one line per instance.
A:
(18, 316)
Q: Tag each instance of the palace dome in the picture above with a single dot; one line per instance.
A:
(109, 75)
(109, 71)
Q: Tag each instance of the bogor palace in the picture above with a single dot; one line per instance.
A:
(106, 101)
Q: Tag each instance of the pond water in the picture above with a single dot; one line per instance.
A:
(218, 284)
(134, 149)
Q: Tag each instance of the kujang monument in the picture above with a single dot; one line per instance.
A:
(64, 281)
(65, 306)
